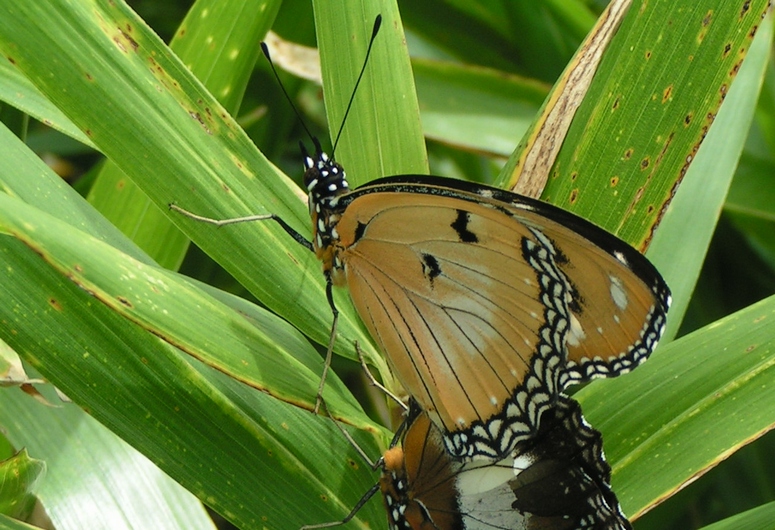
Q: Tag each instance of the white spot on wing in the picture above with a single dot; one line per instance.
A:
(618, 295)
(619, 256)
(477, 479)
(577, 334)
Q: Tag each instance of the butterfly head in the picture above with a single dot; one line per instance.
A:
(326, 182)
(324, 178)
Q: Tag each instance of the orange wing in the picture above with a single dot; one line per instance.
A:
(471, 330)
(477, 302)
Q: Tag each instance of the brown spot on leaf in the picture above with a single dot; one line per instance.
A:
(78, 268)
(644, 164)
(685, 166)
(53, 302)
(667, 94)
(132, 42)
(124, 301)
(727, 49)
(706, 20)
(89, 77)
(574, 195)
(688, 119)
(11, 60)
(746, 8)
(574, 175)
(648, 54)
(119, 44)
(628, 153)
(614, 181)
(735, 69)
(616, 104)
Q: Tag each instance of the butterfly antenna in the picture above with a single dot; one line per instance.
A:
(374, 31)
(265, 49)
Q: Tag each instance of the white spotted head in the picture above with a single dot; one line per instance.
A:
(324, 178)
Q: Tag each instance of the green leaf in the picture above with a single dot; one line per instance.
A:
(93, 478)
(19, 478)
(254, 459)
(760, 517)
(654, 97)
(475, 108)
(219, 44)
(15, 87)
(104, 56)
(690, 220)
(226, 443)
(274, 359)
(382, 135)
(6, 523)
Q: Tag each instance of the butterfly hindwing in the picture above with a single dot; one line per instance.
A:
(557, 481)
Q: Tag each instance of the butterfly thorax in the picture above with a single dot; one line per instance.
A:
(326, 182)
(393, 484)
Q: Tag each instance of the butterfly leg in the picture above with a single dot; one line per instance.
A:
(300, 239)
(331, 340)
(366, 496)
(374, 381)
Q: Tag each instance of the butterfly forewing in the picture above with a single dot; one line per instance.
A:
(617, 315)
(487, 304)
(445, 288)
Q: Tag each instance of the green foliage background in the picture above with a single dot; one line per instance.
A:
(206, 380)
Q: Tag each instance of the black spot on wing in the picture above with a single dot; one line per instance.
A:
(359, 231)
(577, 302)
(559, 256)
(430, 267)
(460, 225)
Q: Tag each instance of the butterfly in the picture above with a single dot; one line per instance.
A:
(485, 303)
(559, 480)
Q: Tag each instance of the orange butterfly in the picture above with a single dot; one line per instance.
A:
(486, 304)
